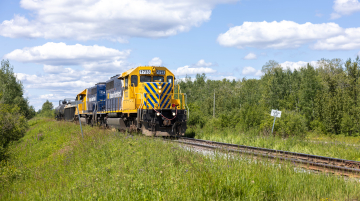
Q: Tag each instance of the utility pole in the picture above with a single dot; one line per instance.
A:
(214, 105)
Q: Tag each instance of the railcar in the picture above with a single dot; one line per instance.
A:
(143, 98)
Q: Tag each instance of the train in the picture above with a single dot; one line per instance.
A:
(144, 99)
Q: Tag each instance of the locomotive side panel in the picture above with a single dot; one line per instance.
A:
(114, 95)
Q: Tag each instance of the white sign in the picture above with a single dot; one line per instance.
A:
(160, 72)
(145, 71)
(115, 94)
(92, 99)
(276, 113)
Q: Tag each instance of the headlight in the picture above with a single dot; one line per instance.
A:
(174, 113)
(159, 87)
(159, 91)
(158, 114)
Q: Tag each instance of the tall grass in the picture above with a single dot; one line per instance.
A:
(53, 162)
(335, 146)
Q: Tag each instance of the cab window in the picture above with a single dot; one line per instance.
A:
(126, 82)
(158, 79)
(169, 79)
(134, 80)
(145, 78)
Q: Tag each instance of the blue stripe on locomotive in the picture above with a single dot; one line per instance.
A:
(98, 98)
(114, 93)
(101, 96)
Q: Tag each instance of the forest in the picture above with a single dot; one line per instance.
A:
(322, 98)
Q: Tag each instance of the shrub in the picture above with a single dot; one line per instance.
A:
(13, 126)
(290, 124)
(196, 116)
(348, 126)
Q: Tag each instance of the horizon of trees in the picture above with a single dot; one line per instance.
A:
(323, 99)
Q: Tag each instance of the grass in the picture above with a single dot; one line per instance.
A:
(323, 145)
(334, 139)
(53, 162)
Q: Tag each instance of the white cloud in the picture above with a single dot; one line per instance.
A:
(259, 73)
(59, 80)
(51, 97)
(108, 19)
(59, 54)
(187, 70)
(57, 85)
(297, 65)
(156, 61)
(53, 69)
(318, 14)
(284, 34)
(250, 56)
(202, 63)
(288, 34)
(248, 70)
(345, 7)
(334, 16)
(349, 39)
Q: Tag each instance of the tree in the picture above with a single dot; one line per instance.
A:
(12, 90)
(270, 66)
(46, 109)
(47, 106)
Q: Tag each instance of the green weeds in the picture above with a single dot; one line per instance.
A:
(323, 145)
(108, 165)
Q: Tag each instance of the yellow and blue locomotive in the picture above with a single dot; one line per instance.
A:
(143, 98)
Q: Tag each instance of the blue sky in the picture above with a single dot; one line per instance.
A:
(58, 47)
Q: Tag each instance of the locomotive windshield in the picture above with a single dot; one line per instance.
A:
(145, 78)
(158, 79)
(170, 79)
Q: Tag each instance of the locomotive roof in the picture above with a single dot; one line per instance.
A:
(124, 74)
(83, 92)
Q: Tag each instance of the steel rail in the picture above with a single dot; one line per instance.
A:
(321, 162)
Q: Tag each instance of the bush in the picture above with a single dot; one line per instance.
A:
(47, 110)
(13, 126)
(348, 126)
(290, 124)
(196, 116)
(246, 118)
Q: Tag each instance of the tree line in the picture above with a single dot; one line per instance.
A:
(322, 98)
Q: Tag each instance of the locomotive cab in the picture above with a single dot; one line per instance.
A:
(150, 94)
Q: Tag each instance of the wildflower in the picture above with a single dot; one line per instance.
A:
(252, 181)
(161, 172)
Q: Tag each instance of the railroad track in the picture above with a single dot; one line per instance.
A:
(318, 163)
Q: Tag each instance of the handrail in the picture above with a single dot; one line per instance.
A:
(142, 99)
(133, 88)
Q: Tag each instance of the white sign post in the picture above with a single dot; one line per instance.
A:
(275, 113)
